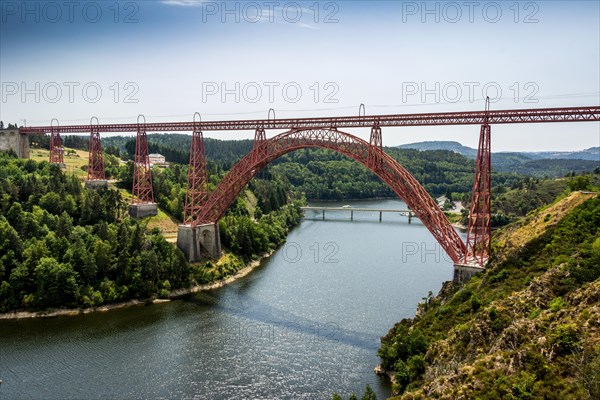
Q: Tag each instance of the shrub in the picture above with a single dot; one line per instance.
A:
(402, 375)
(556, 304)
(566, 339)
(475, 303)
(499, 277)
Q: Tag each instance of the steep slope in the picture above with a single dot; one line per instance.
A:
(526, 328)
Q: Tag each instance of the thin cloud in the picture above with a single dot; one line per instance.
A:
(307, 26)
(184, 3)
(273, 15)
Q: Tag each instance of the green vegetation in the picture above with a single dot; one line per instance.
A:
(536, 164)
(526, 328)
(65, 246)
(322, 174)
(368, 394)
(221, 154)
(325, 175)
(550, 168)
(527, 196)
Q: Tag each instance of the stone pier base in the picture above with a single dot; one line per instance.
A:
(143, 210)
(463, 273)
(201, 242)
(96, 184)
(61, 165)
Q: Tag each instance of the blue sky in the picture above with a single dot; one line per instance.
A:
(233, 60)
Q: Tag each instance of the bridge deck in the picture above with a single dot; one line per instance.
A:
(516, 116)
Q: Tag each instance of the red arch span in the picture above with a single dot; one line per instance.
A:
(380, 163)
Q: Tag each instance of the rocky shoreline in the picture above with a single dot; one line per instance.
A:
(175, 294)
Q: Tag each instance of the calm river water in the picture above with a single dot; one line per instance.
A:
(304, 324)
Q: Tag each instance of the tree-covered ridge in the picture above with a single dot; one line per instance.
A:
(176, 148)
(65, 246)
(538, 164)
(532, 193)
(326, 175)
(526, 328)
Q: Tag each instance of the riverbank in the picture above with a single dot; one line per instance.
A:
(175, 294)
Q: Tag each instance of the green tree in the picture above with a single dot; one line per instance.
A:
(79, 256)
(11, 248)
(15, 217)
(580, 183)
(102, 258)
(56, 283)
(52, 203)
(64, 225)
(369, 394)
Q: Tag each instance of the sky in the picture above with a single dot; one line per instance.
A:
(72, 60)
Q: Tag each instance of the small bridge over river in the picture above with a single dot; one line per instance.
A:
(323, 210)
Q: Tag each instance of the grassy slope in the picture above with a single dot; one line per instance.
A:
(529, 326)
(74, 162)
(165, 222)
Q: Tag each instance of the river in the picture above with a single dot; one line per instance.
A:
(303, 325)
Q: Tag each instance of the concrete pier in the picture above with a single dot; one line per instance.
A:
(143, 210)
(96, 184)
(11, 139)
(201, 242)
(463, 272)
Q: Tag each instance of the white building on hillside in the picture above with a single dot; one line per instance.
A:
(156, 159)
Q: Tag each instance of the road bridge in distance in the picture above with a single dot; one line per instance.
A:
(323, 210)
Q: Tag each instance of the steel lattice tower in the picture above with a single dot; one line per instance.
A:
(376, 142)
(56, 149)
(96, 161)
(479, 235)
(197, 184)
(142, 174)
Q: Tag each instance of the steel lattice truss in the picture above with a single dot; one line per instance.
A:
(479, 236)
(392, 173)
(56, 149)
(142, 175)
(567, 114)
(95, 161)
(197, 184)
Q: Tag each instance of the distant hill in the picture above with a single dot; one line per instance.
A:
(549, 167)
(441, 145)
(542, 163)
(592, 154)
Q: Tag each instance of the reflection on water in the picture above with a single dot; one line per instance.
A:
(304, 324)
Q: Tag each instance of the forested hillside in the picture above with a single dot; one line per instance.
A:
(65, 246)
(322, 174)
(325, 175)
(526, 328)
(537, 164)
